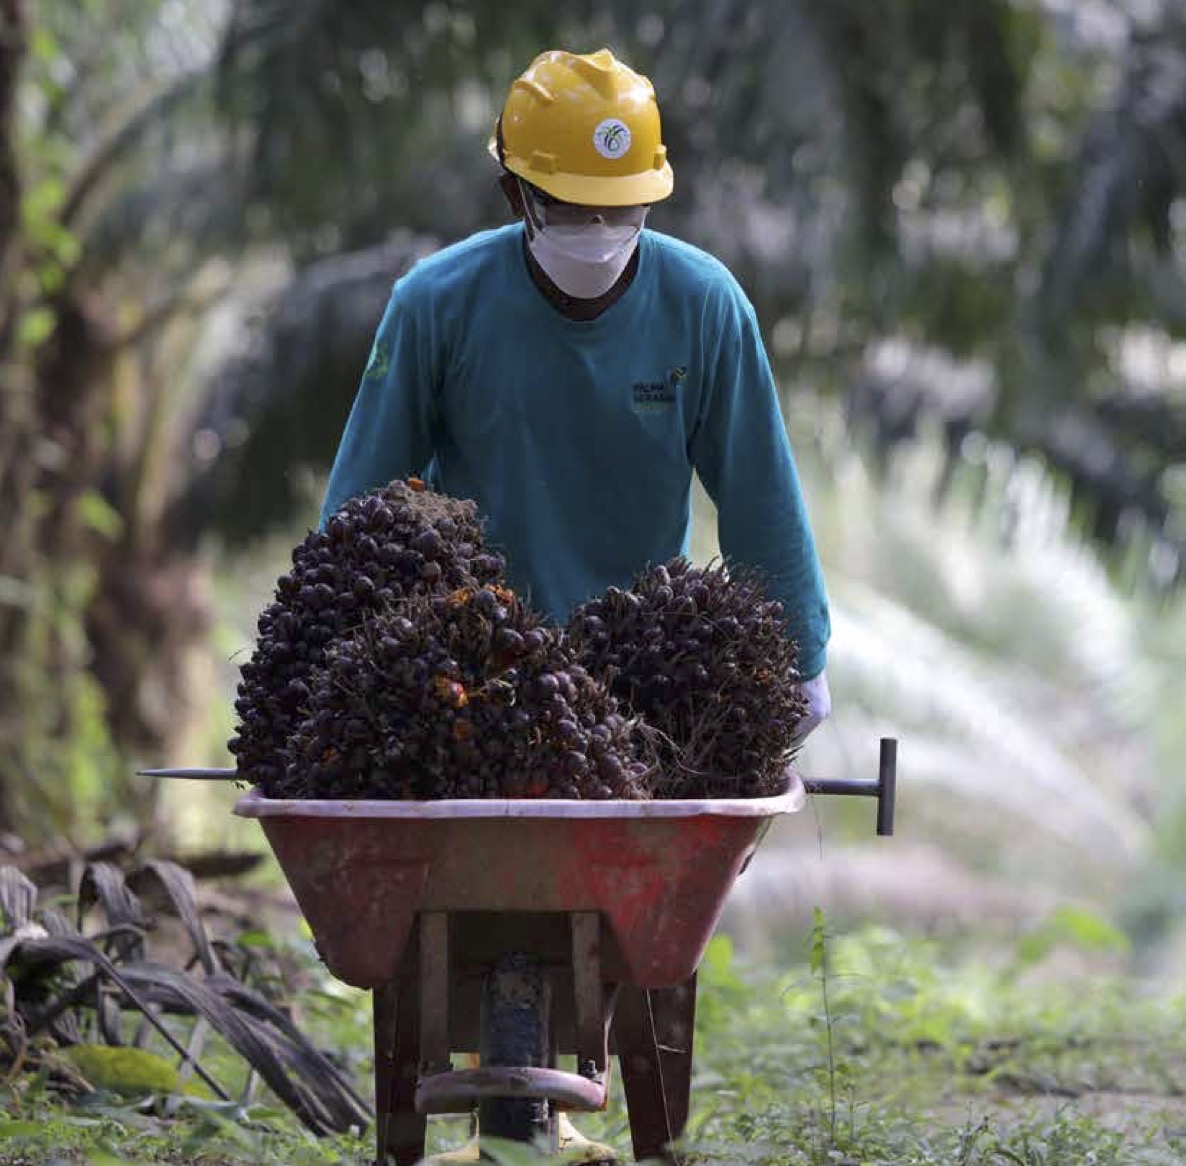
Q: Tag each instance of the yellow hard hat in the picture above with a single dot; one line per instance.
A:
(584, 129)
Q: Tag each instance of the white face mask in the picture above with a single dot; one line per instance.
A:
(586, 259)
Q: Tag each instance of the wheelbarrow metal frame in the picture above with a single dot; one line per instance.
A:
(399, 896)
(443, 1090)
(650, 1031)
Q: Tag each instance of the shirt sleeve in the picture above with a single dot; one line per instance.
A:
(388, 434)
(742, 453)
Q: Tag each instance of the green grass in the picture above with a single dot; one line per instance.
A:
(878, 1051)
(868, 1049)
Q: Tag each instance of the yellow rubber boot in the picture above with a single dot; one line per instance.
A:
(575, 1148)
(468, 1153)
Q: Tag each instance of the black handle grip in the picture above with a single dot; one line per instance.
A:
(887, 786)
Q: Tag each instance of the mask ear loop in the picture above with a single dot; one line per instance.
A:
(534, 225)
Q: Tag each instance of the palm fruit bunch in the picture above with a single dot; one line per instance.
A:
(704, 657)
(394, 662)
(376, 550)
(465, 695)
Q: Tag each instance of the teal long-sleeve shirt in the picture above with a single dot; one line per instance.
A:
(578, 439)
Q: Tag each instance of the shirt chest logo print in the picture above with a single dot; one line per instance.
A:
(657, 396)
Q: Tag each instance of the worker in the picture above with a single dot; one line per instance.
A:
(570, 371)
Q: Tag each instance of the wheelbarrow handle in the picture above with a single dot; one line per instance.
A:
(884, 788)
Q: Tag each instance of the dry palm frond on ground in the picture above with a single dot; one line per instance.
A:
(80, 1005)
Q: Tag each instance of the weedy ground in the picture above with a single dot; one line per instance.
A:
(868, 1049)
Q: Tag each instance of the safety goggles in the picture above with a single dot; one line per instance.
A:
(547, 211)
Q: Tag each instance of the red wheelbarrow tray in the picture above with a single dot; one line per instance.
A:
(658, 871)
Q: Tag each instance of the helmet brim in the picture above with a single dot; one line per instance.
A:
(626, 190)
(584, 190)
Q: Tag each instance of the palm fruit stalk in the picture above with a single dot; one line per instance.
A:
(704, 656)
(375, 551)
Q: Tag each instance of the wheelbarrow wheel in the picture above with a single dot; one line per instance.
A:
(515, 1021)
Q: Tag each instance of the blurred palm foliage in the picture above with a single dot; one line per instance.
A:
(1036, 701)
(959, 221)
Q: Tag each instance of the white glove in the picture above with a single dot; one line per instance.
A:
(819, 705)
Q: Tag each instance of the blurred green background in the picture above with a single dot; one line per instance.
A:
(961, 223)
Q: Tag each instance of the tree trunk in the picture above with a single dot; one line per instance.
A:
(12, 51)
(15, 408)
(77, 603)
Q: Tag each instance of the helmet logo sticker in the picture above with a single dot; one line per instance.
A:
(611, 138)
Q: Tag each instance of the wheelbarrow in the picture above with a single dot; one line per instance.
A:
(523, 931)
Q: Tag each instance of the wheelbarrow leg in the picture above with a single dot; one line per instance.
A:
(399, 1129)
(653, 1032)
